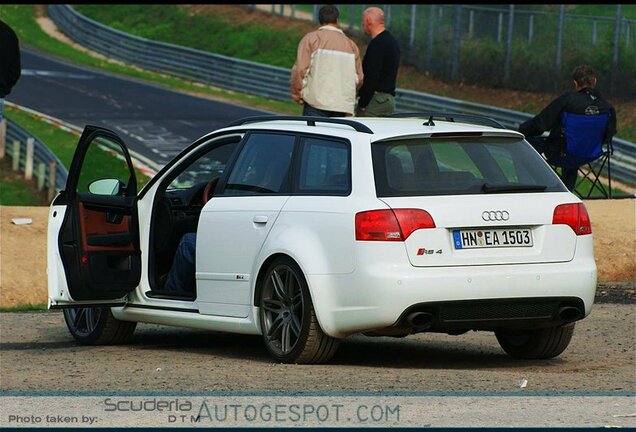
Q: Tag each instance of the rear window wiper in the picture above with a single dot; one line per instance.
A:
(503, 188)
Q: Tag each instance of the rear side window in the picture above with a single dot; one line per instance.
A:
(324, 167)
(262, 166)
(455, 166)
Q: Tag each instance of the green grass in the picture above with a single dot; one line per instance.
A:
(584, 187)
(29, 307)
(627, 11)
(60, 142)
(249, 41)
(15, 190)
(22, 19)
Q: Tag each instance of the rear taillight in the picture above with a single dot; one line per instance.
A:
(391, 224)
(573, 215)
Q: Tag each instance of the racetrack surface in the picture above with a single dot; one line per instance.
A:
(154, 121)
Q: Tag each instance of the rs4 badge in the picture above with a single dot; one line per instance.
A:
(422, 251)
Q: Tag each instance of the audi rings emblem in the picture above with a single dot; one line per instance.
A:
(495, 215)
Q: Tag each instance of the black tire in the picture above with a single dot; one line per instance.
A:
(97, 326)
(287, 309)
(536, 344)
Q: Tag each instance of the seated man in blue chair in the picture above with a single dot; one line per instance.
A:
(584, 100)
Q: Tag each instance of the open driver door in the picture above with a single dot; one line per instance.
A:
(93, 252)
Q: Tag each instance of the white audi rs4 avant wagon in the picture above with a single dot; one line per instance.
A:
(311, 229)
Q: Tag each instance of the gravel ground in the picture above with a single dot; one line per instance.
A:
(38, 354)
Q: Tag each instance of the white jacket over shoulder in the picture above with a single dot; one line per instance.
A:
(327, 71)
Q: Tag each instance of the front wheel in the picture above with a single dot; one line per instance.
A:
(97, 326)
(536, 344)
(288, 321)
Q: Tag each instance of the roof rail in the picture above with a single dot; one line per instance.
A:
(311, 121)
(452, 117)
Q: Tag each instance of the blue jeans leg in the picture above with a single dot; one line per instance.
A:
(181, 277)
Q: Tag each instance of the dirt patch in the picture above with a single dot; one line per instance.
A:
(23, 248)
(614, 230)
(23, 256)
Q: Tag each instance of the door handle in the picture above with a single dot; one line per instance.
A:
(260, 219)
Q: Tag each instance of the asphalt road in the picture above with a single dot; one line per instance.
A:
(151, 120)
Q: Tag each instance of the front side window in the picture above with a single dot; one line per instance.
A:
(206, 167)
(263, 166)
(104, 159)
(455, 166)
(324, 167)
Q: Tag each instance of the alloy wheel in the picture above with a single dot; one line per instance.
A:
(282, 306)
(84, 320)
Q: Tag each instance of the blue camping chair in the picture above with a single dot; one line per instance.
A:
(585, 150)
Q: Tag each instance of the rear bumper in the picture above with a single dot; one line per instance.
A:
(380, 295)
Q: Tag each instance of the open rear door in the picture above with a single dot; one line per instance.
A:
(93, 239)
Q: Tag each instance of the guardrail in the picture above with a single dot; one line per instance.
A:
(32, 157)
(271, 81)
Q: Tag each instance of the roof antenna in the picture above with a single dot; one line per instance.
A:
(429, 122)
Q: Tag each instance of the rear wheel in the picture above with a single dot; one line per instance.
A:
(288, 321)
(97, 326)
(536, 344)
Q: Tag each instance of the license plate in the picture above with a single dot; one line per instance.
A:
(492, 238)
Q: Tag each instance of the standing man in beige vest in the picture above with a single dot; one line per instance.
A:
(327, 71)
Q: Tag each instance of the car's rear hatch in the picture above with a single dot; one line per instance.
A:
(491, 199)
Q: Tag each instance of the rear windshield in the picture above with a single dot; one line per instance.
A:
(456, 166)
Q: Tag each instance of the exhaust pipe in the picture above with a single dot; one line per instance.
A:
(569, 313)
(420, 320)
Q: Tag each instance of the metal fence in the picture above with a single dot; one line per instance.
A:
(269, 81)
(38, 159)
(525, 47)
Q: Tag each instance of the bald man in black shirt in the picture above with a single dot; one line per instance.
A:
(380, 66)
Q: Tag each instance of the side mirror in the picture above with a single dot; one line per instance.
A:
(106, 187)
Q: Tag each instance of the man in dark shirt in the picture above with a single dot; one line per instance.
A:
(380, 67)
(9, 61)
(585, 99)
